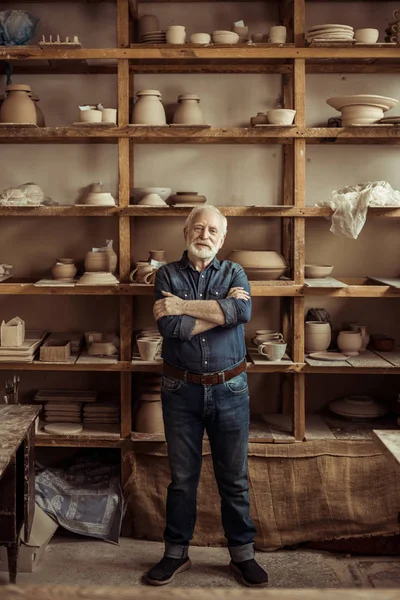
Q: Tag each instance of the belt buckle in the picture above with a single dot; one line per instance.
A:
(203, 378)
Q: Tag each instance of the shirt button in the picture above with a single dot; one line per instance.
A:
(185, 295)
(204, 339)
(200, 294)
(216, 293)
(205, 362)
(203, 276)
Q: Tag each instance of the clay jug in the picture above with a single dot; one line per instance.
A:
(112, 256)
(148, 109)
(176, 34)
(39, 114)
(188, 111)
(364, 334)
(63, 270)
(18, 106)
(142, 273)
(149, 417)
(350, 342)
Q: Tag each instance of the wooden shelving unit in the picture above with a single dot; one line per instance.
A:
(292, 61)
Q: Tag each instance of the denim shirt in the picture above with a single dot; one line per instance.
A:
(217, 349)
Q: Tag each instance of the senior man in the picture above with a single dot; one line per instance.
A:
(201, 307)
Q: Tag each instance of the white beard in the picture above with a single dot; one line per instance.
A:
(202, 253)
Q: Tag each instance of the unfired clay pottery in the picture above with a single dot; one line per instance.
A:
(90, 116)
(350, 342)
(366, 36)
(98, 278)
(158, 255)
(148, 109)
(97, 262)
(64, 270)
(18, 107)
(260, 119)
(364, 334)
(200, 38)
(143, 273)
(176, 34)
(243, 32)
(148, 24)
(152, 200)
(101, 349)
(260, 265)
(149, 417)
(277, 34)
(188, 111)
(225, 37)
(358, 407)
(148, 347)
(109, 115)
(317, 271)
(39, 114)
(93, 336)
(281, 116)
(96, 196)
(139, 193)
(113, 258)
(317, 336)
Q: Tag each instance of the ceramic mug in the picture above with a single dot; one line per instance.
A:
(109, 115)
(149, 348)
(277, 34)
(274, 351)
(144, 273)
(267, 337)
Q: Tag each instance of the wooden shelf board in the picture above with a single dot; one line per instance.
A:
(20, 366)
(27, 287)
(367, 362)
(59, 211)
(99, 437)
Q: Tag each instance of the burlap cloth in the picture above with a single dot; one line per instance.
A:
(317, 490)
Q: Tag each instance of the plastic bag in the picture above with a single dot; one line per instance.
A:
(27, 194)
(17, 27)
(350, 205)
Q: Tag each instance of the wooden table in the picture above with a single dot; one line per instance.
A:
(389, 442)
(17, 478)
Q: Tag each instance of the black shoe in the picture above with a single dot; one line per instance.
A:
(250, 573)
(165, 570)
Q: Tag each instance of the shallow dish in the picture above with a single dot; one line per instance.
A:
(317, 271)
(139, 192)
(151, 200)
(338, 102)
(258, 259)
(361, 407)
(329, 356)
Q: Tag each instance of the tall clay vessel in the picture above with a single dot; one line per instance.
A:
(148, 109)
(188, 111)
(18, 107)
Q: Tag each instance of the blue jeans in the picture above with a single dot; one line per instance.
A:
(223, 410)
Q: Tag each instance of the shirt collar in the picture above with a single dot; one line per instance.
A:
(184, 262)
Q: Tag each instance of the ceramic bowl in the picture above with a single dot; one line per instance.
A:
(383, 343)
(258, 259)
(366, 36)
(99, 199)
(138, 193)
(317, 271)
(152, 200)
(97, 278)
(243, 32)
(281, 116)
(338, 102)
(361, 115)
(225, 37)
(200, 38)
(90, 116)
(362, 407)
(264, 274)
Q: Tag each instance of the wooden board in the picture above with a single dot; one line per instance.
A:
(281, 427)
(14, 422)
(324, 282)
(317, 429)
(326, 363)
(368, 359)
(392, 282)
(389, 442)
(97, 360)
(391, 357)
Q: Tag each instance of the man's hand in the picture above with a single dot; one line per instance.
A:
(239, 293)
(169, 306)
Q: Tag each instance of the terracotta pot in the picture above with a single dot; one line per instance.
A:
(97, 262)
(149, 417)
(176, 34)
(350, 342)
(364, 334)
(64, 271)
(148, 109)
(158, 255)
(39, 114)
(188, 111)
(18, 106)
(260, 119)
(317, 336)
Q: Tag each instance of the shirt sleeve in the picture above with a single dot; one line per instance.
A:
(179, 326)
(236, 311)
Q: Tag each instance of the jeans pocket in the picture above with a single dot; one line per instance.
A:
(238, 384)
(169, 384)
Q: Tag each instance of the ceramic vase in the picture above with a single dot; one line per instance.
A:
(188, 111)
(317, 336)
(176, 34)
(350, 342)
(148, 109)
(113, 258)
(364, 334)
(18, 107)
(97, 262)
(149, 417)
(63, 270)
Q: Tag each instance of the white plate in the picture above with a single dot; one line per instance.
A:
(338, 102)
(330, 26)
(330, 356)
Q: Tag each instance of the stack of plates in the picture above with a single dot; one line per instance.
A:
(330, 33)
(26, 352)
(154, 37)
(358, 407)
(101, 413)
(186, 199)
(62, 412)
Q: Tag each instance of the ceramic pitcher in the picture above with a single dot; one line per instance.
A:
(18, 106)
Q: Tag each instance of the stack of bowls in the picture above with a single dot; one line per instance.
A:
(260, 265)
(317, 336)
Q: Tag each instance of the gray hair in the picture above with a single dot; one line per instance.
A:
(201, 208)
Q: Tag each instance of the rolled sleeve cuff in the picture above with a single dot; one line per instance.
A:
(228, 307)
(186, 328)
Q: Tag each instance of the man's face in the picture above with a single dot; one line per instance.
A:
(204, 238)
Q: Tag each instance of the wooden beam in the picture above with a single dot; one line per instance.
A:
(123, 37)
(299, 414)
(126, 405)
(298, 327)
(299, 21)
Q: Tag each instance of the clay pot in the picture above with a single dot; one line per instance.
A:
(149, 417)
(158, 255)
(317, 336)
(90, 116)
(64, 270)
(188, 111)
(147, 24)
(113, 258)
(148, 109)
(97, 262)
(176, 34)
(364, 334)
(350, 342)
(143, 273)
(18, 107)
(260, 119)
(277, 34)
(149, 347)
(39, 114)
(383, 343)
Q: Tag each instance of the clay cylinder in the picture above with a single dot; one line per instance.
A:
(18, 107)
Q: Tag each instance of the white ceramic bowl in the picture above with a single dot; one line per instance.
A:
(90, 116)
(152, 200)
(200, 38)
(383, 102)
(281, 116)
(366, 36)
(99, 199)
(317, 271)
(139, 193)
(225, 37)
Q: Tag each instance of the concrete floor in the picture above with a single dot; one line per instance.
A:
(78, 560)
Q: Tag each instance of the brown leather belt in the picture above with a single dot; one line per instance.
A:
(203, 378)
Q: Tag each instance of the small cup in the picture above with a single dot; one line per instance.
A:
(267, 337)
(149, 348)
(109, 115)
(200, 38)
(274, 351)
(366, 36)
(90, 116)
(277, 34)
(176, 34)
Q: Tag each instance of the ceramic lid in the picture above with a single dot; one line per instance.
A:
(188, 97)
(148, 93)
(14, 87)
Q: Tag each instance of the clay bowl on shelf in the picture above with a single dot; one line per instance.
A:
(200, 38)
(225, 37)
(140, 192)
(317, 271)
(383, 102)
(99, 199)
(152, 200)
(189, 198)
(383, 343)
(97, 278)
(260, 264)
(358, 407)
(281, 116)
